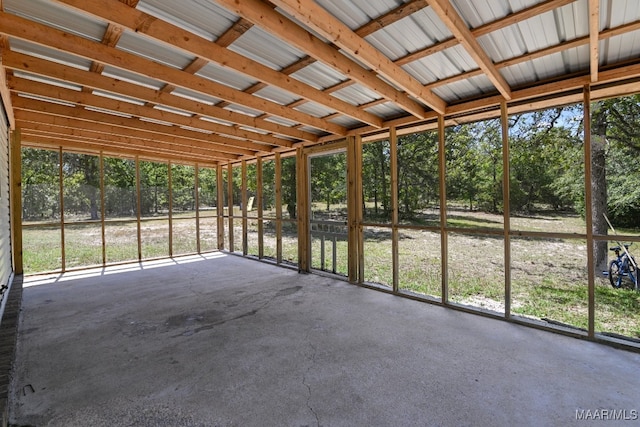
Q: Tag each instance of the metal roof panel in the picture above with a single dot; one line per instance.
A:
(201, 17)
(154, 50)
(44, 52)
(319, 76)
(266, 49)
(57, 16)
(225, 76)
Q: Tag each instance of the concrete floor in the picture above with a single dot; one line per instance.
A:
(225, 341)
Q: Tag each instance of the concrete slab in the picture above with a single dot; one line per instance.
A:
(226, 341)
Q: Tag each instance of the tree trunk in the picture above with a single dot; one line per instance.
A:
(599, 184)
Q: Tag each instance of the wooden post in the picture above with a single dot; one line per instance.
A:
(359, 234)
(354, 210)
(230, 203)
(16, 200)
(278, 196)
(245, 210)
(506, 207)
(197, 197)
(302, 198)
(393, 142)
(259, 193)
(139, 210)
(589, 211)
(103, 210)
(61, 189)
(170, 189)
(444, 240)
(220, 206)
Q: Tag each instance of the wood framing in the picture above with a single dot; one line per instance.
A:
(588, 207)
(264, 16)
(278, 196)
(352, 207)
(259, 195)
(245, 249)
(230, 212)
(444, 238)
(317, 18)
(16, 200)
(302, 200)
(506, 205)
(220, 206)
(393, 154)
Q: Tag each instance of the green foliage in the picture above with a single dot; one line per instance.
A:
(328, 179)
(418, 187)
(376, 179)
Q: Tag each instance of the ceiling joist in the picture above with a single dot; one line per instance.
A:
(203, 84)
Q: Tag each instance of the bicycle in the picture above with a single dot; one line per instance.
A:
(623, 271)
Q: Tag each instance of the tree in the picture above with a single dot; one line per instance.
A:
(418, 179)
(599, 182)
(376, 177)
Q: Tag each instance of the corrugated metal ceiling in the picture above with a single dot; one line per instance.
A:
(332, 95)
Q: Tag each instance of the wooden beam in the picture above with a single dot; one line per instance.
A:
(594, 40)
(278, 197)
(30, 64)
(462, 33)
(506, 206)
(4, 89)
(152, 131)
(321, 21)
(490, 27)
(236, 31)
(41, 34)
(113, 150)
(391, 17)
(15, 164)
(89, 100)
(263, 15)
(395, 259)
(589, 211)
(115, 12)
(444, 236)
(111, 141)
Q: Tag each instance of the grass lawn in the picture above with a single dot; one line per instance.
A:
(548, 276)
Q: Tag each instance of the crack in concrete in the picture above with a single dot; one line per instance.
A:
(304, 382)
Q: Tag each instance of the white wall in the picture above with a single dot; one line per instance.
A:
(5, 227)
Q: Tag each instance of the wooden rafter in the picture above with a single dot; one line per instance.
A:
(115, 12)
(72, 138)
(264, 16)
(89, 100)
(462, 33)
(594, 31)
(490, 27)
(18, 61)
(321, 21)
(41, 34)
(236, 31)
(4, 89)
(391, 17)
(152, 130)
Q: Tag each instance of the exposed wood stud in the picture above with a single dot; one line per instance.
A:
(506, 202)
(16, 200)
(444, 239)
(589, 211)
(393, 144)
(278, 197)
(230, 205)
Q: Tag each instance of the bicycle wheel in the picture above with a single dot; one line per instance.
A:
(614, 274)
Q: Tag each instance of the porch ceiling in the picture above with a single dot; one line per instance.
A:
(219, 81)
